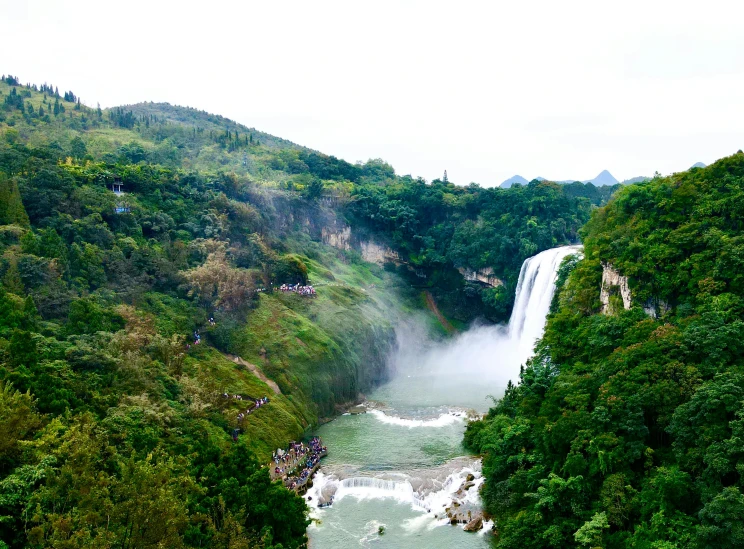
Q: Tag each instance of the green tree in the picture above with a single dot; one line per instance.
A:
(78, 148)
(12, 210)
(314, 189)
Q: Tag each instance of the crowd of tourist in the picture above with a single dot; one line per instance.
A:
(298, 462)
(298, 289)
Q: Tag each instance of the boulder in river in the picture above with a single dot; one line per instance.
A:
(475, 524)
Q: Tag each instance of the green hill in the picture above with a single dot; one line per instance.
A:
(104, 392)
(626, 429)
(122, 232)
(203, 121)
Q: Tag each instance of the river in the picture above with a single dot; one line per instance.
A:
(395, 470)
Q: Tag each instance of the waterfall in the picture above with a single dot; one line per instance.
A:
(438, 494)
(490, 354)
(370, 487)
(535, 291)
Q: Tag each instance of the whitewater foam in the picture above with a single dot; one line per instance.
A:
(432, 377)
(327, 487)
(441, 421)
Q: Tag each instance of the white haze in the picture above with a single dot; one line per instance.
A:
(482, 360)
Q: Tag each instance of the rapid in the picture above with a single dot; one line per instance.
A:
(393, 472)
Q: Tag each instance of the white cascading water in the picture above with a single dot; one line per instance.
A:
(377, 487)
(492, 354)
(534, 294)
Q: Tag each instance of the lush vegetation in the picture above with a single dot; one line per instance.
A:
(113, 431)
(123, 231)
(626, 428)
(440, 228)
(437, 228)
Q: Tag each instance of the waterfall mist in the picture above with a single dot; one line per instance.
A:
(481, 361)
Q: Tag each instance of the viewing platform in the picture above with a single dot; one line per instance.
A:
(296, 466)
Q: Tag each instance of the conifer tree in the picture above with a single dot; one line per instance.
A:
(78, 148)
(12, 211)
(12, 280)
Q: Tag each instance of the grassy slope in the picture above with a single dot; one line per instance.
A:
(329, 348)
(187, 116)
(267, 428)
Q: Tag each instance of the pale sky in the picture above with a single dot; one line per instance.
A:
(485, 90)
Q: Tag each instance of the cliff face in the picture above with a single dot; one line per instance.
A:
(340, 236)
(612, 279)
(378, 254)
(484, 276)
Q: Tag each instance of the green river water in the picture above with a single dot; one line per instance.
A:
(396, 466)
(399, 465)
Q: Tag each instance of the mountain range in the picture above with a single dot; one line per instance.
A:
(604, 178)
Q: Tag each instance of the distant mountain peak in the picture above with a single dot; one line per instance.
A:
(604, 178)
(698, 165)
(513, 180)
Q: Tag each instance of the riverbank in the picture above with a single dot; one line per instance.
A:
(296, 465)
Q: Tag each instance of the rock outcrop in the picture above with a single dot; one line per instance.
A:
(340, 237)
(462, 509)
(484, 276)
(611, 278)
(337, 237)
(378, 254)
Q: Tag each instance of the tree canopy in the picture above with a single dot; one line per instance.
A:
(625, 428)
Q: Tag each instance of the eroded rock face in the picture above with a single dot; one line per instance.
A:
(337, 237)
(375, 253)
(611, 278)
(484, 276)
(340, 237)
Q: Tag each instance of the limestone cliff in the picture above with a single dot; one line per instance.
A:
(376, 253)
(484, 276)
(338, 237)
(611, 278)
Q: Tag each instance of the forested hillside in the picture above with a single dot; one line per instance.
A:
(440, 228)
(127, 287)
(140, 251)
(437, 228)
(626, 429)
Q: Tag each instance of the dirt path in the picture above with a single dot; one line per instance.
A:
(432, 306)
(257, 372)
